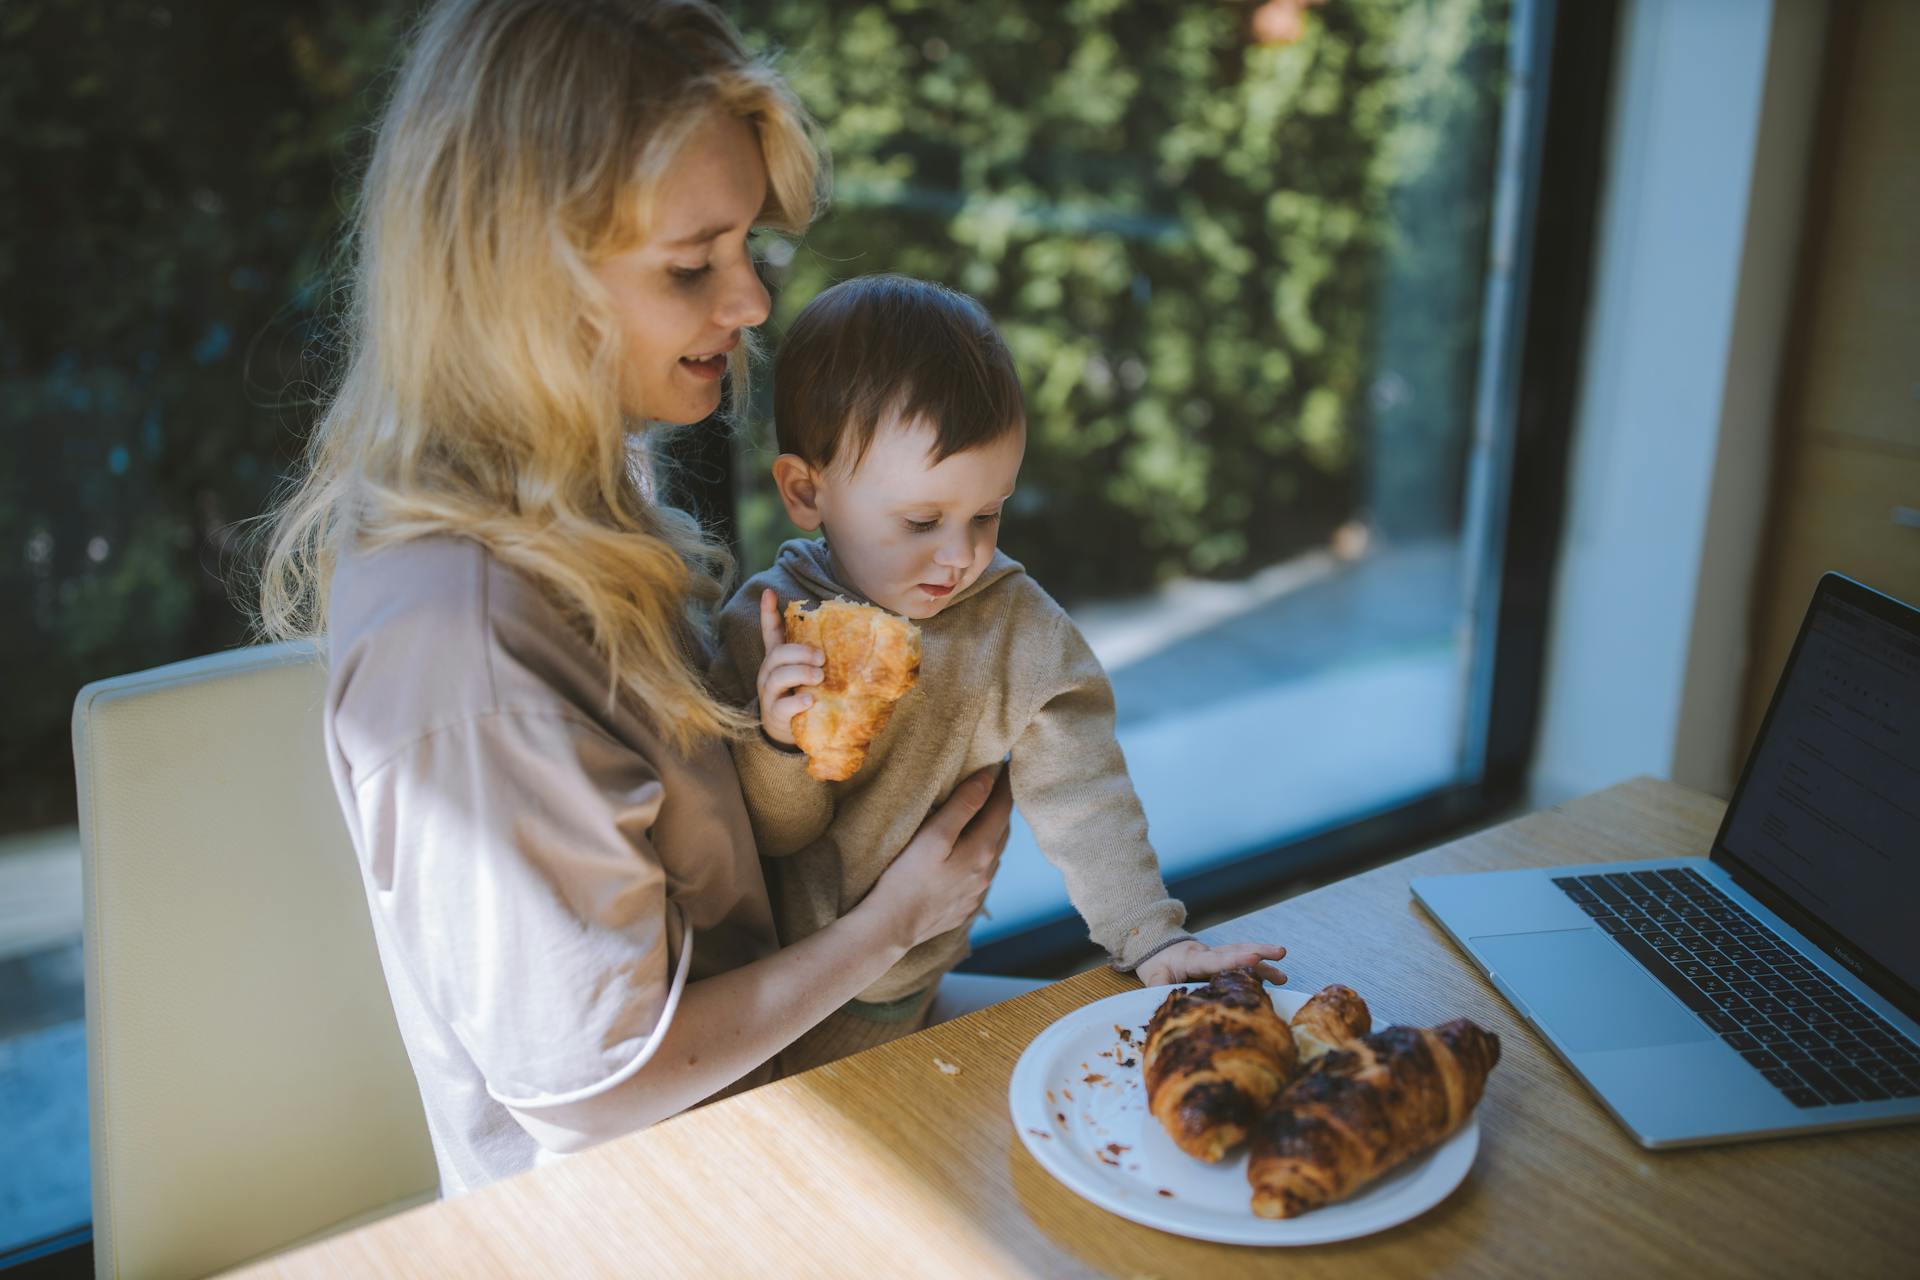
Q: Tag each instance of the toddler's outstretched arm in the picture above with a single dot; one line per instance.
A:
(1071, 782)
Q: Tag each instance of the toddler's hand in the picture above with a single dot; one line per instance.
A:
(1196, 962)
(784, 676)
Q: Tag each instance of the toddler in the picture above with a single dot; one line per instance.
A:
(901, 427)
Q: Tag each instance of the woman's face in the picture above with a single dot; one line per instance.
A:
(683, 294)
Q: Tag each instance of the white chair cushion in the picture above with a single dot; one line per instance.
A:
(247, 1084)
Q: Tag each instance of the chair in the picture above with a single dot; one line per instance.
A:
(246, 1082)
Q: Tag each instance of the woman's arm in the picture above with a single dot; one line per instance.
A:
(730, 1023)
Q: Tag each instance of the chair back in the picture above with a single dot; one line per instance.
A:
(246, 1082)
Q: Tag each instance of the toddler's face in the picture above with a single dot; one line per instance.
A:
(912, 534)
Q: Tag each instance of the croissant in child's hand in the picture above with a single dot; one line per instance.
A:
(1362, 1109)
(872, 658)
(1214, 1057)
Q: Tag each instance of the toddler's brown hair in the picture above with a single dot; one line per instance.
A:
(884, 344)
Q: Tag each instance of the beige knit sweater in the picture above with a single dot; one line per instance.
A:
(1003, 671)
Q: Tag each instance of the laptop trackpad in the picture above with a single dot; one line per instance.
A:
(1587, 991)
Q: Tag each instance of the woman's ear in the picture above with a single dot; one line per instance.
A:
(799, 486)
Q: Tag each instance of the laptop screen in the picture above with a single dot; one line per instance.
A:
(1829, 810)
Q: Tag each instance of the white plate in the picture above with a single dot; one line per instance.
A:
(1097, 1136)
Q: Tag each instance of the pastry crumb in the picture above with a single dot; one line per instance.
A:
(1168, 1194)
(1094, 1077)
(946, 1068)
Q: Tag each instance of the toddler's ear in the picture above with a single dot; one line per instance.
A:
(799, 486)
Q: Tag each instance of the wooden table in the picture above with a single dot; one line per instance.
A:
(884, 1165)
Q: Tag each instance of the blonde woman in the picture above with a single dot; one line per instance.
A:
(550, 253)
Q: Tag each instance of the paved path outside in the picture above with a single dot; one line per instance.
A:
(1395, 600)
(39, 890)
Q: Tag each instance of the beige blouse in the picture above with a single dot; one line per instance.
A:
(544, 873)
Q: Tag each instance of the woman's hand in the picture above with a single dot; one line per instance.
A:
(785, 675)
(940, 878)
(733, 1021)
(1196, 962)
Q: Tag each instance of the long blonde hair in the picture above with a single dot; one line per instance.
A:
(480, 388)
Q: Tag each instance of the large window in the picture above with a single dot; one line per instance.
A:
(1255, 267)
(1261, 263)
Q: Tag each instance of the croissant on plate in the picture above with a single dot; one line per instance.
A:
(873, 657)
(1215, 1056)
(1363, 1108)
(1332, 1017)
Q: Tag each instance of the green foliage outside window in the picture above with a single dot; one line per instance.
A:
(1188, 239)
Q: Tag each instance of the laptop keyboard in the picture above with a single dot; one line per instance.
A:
(1811, 1038)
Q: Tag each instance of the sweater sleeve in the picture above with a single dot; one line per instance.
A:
(788, 809)
(1070, 782)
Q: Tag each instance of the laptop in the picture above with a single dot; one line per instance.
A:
(1773, 986)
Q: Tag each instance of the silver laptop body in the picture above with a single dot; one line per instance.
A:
(1771, 987)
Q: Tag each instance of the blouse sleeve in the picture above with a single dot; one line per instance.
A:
(521, 891)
